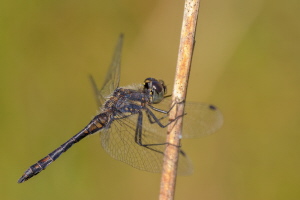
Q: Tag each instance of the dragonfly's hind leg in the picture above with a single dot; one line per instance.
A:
(138, 136)
(139, 133)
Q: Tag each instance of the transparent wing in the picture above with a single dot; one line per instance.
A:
(119, 142)
(201, 119)
(112, 77)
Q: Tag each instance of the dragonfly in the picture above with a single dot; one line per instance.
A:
(132, 122)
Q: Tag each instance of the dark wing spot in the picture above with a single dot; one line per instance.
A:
(182, 153)
(212, 107)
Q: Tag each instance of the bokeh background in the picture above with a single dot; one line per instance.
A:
(246, 61)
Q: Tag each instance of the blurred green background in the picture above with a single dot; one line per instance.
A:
(246, 62)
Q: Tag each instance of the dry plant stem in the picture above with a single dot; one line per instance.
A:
(168, 180)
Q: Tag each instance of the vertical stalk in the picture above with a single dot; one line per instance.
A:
(186, 47)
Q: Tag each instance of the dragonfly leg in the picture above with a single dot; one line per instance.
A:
(138, 137)
(161, 111)
(153, 119)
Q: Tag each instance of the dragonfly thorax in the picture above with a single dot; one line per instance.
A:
(156, 89)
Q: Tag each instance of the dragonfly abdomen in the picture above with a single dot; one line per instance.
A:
(98, 123)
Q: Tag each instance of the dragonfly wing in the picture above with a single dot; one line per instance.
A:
(119, 142)
(98, 97)
(201, 119)
(112, 79)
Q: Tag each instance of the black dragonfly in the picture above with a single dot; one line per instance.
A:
(132, 121)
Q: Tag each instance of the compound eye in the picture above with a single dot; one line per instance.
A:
(148, 83)
(158, 92)
(157, 87)
(163, 86)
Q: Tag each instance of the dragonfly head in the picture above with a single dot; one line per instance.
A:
(156, 88)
